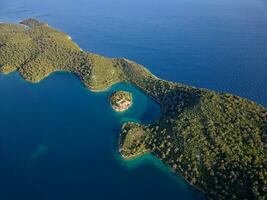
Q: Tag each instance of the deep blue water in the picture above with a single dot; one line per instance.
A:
(58, 140)
(219, 45)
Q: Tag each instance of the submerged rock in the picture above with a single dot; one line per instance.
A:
(39, 151)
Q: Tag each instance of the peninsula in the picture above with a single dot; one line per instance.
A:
(121, 100)
(216, 141)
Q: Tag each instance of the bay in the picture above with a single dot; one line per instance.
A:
(58, 140)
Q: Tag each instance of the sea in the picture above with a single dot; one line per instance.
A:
(59, 140)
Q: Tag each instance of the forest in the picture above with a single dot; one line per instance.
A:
(216, 141)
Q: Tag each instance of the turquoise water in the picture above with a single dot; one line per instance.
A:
(58, 140)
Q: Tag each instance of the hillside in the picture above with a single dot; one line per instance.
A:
(216, 141)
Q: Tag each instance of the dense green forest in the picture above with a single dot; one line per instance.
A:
(216, 141)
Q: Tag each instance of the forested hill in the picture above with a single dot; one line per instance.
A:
(216, 141)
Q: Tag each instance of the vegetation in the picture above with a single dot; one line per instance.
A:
(216, 141)
(121, 100)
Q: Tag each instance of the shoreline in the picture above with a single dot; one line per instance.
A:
(132, 157)
(139, 155)
(180, 106)
(120, 111)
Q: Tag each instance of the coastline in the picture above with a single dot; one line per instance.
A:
(120, 111)
(177, 102)
(126, 158)
(132, 157)
(139, 155)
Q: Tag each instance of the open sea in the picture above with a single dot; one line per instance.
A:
(58, 140)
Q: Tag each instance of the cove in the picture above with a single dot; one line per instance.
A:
(58, 140)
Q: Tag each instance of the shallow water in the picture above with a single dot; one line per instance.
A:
(58, 140)
(219, 45)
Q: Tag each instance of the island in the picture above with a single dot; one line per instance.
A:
(216, 141)
(121, 100)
